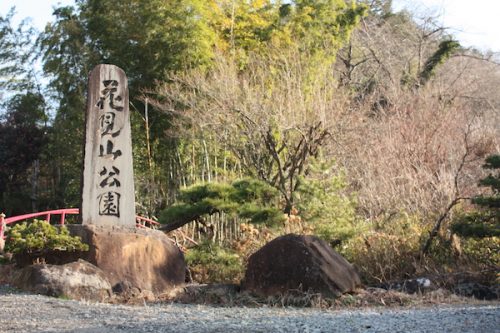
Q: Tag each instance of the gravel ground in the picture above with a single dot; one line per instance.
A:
(33, 313)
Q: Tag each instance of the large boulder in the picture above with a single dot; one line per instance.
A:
(142, 258)
(293, 262)
(77, 280)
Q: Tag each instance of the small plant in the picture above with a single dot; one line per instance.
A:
(211, 263)
(40, 236)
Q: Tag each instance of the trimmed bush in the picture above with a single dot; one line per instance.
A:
(210, 263)
(40, 236)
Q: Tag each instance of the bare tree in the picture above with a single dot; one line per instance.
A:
(272, 121)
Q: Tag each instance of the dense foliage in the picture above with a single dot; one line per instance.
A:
(247, 198)
(15, 56)
(211, 263)
(40, 236)
(22, 139)
(323, 205)
(334, 117)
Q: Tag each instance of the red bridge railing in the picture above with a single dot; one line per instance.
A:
(141, 222)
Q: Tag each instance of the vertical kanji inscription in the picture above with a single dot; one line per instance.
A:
(108, 185)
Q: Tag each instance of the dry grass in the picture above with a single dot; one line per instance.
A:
(230, 296)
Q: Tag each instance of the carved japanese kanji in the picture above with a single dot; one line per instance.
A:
(108, 186)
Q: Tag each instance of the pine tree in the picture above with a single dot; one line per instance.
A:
(486, 221)
(246, 198)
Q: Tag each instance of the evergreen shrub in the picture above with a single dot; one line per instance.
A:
(40, 236)
(210, 263)
(324, 205)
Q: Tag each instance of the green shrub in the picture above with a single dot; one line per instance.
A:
(210, 263)
(40, 236)
(322, 204)
(483, 252)
(476, 225)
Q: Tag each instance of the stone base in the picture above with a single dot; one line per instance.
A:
(78, 280)
(144, 258)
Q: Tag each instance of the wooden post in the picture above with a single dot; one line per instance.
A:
(2, 231)
(108, 196)
(2, 225)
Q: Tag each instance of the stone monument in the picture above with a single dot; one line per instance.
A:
(136, 257)
(108, 196)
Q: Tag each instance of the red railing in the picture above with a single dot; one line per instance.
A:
(141, 222)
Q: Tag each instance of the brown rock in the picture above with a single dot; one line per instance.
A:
(53, 257)
(143, 258)
(6, 273)
(203, 294)
(299, 262)
(77, 280)
(125, 293)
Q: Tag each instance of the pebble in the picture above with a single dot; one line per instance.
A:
(21, 313)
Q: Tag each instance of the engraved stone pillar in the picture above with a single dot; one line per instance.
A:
(108, 196)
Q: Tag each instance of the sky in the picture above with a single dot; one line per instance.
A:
(40, 11)
(475, 23)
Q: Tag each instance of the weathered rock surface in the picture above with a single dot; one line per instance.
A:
(6, 273)
(477, 290)
(203, 294)
(53, 257)
(78, 280)
(124, 292)
(299, 262)
(142, 258)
